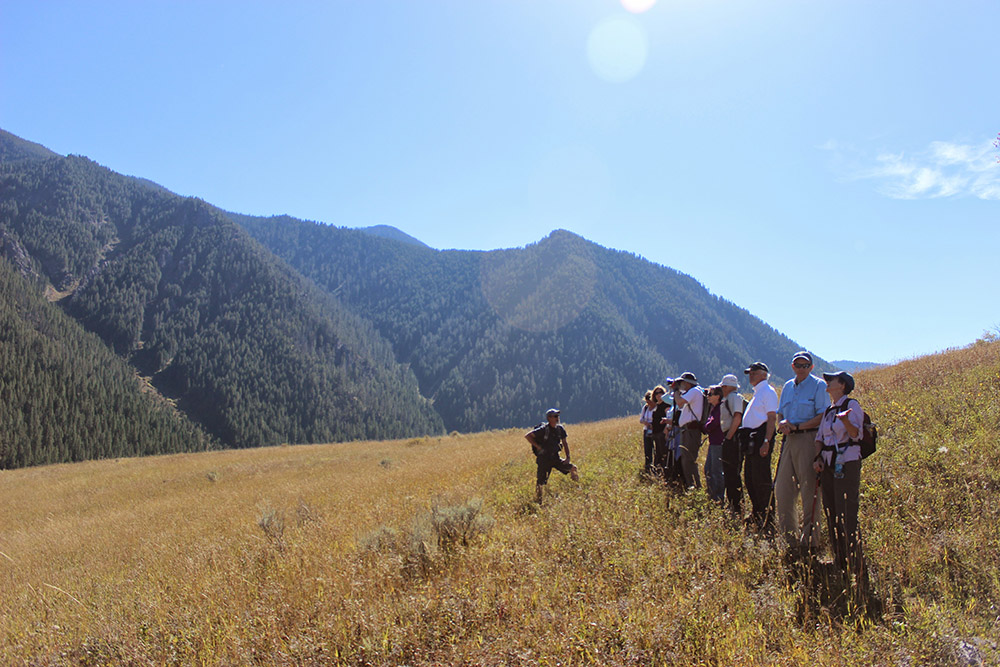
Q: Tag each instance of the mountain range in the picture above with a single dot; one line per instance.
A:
(855, 366)
(242, 331)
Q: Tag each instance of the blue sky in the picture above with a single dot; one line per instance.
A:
(827, 165)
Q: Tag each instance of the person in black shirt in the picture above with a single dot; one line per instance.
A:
(547, 440)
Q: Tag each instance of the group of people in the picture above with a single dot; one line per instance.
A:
(819, 463)
(821, 428)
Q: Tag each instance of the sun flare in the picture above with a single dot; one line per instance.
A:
(638, 6)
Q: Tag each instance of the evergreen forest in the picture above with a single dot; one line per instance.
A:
(64, 396)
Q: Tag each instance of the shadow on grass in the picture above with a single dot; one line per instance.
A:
(827, 592)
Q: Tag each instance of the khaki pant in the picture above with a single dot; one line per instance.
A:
(690, 444)
(795, 481)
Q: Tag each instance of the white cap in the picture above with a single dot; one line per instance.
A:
(730, 381)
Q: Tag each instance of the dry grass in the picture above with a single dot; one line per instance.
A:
(430, 551)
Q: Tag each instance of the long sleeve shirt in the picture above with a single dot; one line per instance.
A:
(714, 425)
(833, 432)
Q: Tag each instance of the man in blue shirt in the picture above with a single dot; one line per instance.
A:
(800, 410)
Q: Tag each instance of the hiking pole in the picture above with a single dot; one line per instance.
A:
(812, 527)
(781, 457)
(812, 512)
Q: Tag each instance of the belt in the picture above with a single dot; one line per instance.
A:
(755, 428)
(805, 430)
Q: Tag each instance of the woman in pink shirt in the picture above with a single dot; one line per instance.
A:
(838, 463)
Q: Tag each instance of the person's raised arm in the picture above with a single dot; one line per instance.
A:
(848, 418)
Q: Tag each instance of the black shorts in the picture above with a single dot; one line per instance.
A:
(546, 462)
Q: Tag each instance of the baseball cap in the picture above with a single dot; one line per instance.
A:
(844, 377)
(802, 354)
(757, 366)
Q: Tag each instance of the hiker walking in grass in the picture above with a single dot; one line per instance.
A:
(693, 405)
(547, 440)
(838, 462)
(756, 438)
(731, 414)
(646, 419)
(803, 401)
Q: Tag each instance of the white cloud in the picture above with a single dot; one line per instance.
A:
(943, 169)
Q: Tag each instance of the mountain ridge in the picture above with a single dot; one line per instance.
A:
(854, 366)
(390, 232)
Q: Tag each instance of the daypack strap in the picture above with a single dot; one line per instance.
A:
(844, 406)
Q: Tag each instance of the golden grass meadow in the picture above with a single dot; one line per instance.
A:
(431, 552)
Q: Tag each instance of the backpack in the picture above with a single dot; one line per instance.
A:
(869, 437)
(706, 412)
(546, 437)
(746, 404)
(869, 431)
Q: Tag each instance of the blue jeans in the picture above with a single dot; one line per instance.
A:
(713, 473)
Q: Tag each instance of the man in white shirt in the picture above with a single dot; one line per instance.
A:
(756, 439)
(693, 405)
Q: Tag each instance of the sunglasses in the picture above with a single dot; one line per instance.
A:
(801, 365)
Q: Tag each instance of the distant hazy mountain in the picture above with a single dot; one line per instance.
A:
(852, 366)
(389, 232)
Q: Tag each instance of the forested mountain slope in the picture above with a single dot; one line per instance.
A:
(64, 396)
(247, 347)
(13, 148)
(495, 337)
